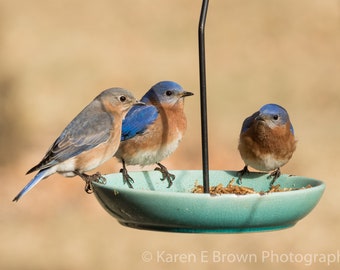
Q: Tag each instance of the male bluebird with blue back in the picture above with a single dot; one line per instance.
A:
(89, 140)
(267, 140)
(152, 132)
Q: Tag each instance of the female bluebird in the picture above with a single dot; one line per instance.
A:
(91, 138)
(152, 132)
(267, 140)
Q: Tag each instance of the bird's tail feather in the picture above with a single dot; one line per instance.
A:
(37, 178)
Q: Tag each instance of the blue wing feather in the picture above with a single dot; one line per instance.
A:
(291, 128)
(248, 121)
(137, 120)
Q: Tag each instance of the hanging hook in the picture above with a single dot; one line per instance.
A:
(203, 96)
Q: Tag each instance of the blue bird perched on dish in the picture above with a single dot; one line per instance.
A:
(152, 132)
(89, 140)
(267, 140)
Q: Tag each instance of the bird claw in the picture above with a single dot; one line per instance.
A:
(127, 178)
(97, 177)
(275, 174)
(165, 174)
(241, 173)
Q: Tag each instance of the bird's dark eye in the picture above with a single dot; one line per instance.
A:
(275, 117)
(122, 98)
(168, 93)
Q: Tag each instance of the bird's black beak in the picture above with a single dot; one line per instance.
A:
(260, 118)
(139, 103)
(187, 94)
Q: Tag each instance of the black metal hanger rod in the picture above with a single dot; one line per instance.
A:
(203, 95)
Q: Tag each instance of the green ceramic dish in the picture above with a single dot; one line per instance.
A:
(151, 205)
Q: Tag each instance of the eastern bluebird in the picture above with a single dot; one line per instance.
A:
(267, 140)
(89, 140)
(152, 132)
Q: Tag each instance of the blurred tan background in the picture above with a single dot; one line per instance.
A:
(56, 56)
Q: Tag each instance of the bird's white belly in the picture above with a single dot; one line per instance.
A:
(145, 157)
(266, 163)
